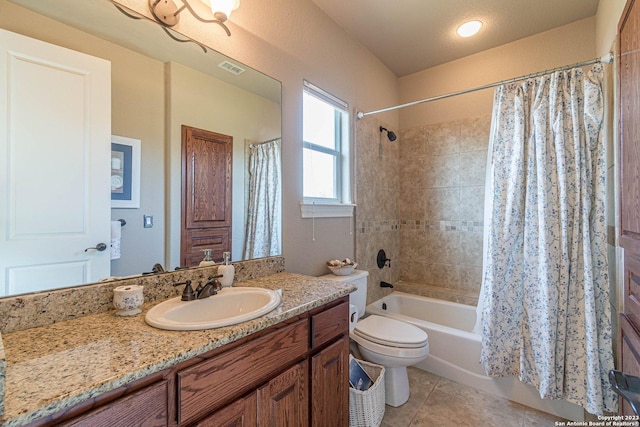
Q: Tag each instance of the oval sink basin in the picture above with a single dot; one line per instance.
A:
(229, 307)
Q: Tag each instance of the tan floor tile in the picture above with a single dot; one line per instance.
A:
(442, 409)
(437, 401)
(419, 377)
(480, 398)
(421, 385)
(533, 418)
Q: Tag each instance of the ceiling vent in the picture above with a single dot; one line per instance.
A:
(231, 67)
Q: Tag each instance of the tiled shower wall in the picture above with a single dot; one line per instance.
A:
(421, 199)
(442, 175)
(377, 198)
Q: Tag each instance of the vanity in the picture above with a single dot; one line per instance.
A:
(288, 367)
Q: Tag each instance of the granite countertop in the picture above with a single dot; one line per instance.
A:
(53, 367)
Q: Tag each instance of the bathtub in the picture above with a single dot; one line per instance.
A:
(454, 351)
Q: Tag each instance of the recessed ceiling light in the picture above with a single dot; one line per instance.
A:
(469, 28)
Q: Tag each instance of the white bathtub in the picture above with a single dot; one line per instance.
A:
(454, 351)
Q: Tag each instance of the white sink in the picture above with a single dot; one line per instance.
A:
(228, 307)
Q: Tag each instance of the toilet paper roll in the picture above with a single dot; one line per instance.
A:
(353, 317)
(128, 299)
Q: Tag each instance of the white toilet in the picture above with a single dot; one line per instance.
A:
(388, 342)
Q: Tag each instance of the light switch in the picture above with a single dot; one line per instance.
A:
(148, 221)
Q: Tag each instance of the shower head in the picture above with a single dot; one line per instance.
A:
(390, 134)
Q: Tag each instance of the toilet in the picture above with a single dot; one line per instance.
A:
(388, 342)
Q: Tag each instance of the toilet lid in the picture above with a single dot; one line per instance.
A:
(391, 332)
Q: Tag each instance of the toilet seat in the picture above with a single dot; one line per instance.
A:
(391, 332)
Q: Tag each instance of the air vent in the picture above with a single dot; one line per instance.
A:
(231, 67)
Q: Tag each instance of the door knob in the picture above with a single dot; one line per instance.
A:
(99, 247)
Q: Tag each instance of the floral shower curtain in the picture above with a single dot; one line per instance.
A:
(544, 304)
(262, 232)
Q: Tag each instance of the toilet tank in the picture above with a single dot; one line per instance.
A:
(359, 279)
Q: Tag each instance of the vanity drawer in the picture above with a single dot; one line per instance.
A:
(206, 386)
(329, 324)
(146, 407)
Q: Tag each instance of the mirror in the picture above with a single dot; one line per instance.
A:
(159, 84)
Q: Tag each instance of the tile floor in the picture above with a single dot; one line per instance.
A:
(437, 401)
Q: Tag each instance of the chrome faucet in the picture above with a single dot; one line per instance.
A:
(211, 287)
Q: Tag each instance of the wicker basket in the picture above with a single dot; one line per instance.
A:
(366, 408)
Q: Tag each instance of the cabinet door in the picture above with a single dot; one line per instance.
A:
(330, 385)
(284, 401)
(241, 413)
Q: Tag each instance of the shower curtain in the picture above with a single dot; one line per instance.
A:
(262, 232)
(544, 303)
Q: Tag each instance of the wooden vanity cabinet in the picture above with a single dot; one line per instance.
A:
(283, 401)
(307, 362)
(294, 374)
(210, 384)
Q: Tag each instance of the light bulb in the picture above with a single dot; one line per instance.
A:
(222, 9)
(469, 28)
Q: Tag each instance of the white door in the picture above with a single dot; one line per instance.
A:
(55, 127)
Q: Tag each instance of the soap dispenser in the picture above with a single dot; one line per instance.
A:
(207, 261)
(227, 270)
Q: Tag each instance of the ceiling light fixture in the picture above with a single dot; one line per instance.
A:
(469, 28)
(167, 12)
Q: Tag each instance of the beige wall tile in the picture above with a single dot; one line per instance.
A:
(413, 204)
(430, 183)
(470, 253)
(442, 204)
(472, 203)
(472, 167)
(442, 171)
(474, 133)
(443, 138)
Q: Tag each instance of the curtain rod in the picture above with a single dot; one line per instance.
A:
(607, 59)
(254, 144)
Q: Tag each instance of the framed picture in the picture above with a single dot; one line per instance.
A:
(125, 172)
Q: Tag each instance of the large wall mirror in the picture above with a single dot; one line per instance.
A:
(160, 85)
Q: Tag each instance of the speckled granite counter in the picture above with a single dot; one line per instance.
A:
(53, 367)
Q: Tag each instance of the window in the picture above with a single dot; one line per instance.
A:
(326, 144)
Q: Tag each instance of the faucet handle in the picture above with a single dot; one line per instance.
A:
(214, 282)
(188, 294)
